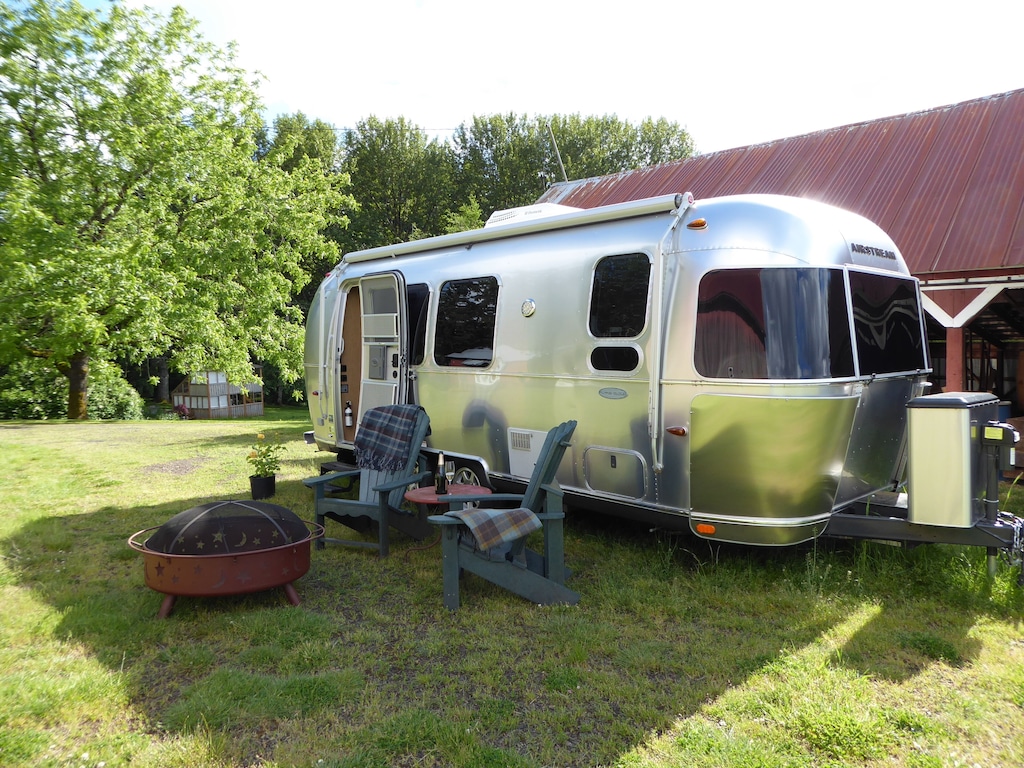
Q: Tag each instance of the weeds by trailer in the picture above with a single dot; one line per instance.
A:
(739, 366)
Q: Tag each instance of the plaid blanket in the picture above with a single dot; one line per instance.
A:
(491, 527)
(382, 442)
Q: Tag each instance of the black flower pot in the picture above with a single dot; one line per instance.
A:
(262, 487)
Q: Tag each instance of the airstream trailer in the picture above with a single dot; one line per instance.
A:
(739, 366)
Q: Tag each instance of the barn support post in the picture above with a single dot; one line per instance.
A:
(954, 359)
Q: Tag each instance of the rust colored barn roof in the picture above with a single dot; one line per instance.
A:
(947, 183)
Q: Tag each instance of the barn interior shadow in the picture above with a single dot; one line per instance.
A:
(398, 601)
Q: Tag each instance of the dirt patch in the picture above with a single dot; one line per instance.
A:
(178, 466)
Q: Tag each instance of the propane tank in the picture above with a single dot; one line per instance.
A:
(348, 413)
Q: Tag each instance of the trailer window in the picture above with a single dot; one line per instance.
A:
(615, 359)
(418, 294)
(773, 324)
(887, 321)
(464, 334)
(618, 301)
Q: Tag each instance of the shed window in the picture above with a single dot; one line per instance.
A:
(618, 301)
(464, 334)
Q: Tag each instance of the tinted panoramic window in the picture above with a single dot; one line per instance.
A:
(618, 302)
(887, 322)
(773, 324)
(464, 335)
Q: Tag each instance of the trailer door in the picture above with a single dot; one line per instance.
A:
(321, 355)
(384, 349)
(329, 383)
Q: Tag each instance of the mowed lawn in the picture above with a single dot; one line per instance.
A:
(679, 654)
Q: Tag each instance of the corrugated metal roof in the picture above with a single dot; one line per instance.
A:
(947, 183)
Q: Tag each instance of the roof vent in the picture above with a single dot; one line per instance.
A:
(528, 213)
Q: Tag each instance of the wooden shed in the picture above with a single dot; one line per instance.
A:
(208, 395)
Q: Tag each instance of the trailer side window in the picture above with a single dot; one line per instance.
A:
(614, 359)
(773, 324)
(618, 301)
(887, 321)
(464, 334)
(418, 295)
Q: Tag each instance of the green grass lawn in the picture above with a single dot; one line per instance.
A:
(679, 654)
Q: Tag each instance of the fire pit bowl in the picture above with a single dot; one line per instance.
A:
(226, 548)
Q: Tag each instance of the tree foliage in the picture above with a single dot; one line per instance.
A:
(402, 181)
(137, 217)
(307, 145)
(468, 216)
(508, 160)
(297, 138)
(408, 185)
(504, 160)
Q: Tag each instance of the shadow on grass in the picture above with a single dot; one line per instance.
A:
(372, 670)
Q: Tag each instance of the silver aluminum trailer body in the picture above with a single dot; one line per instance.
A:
(740, 366)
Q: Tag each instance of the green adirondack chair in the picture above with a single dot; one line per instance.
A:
(491, 543)
(387, 448)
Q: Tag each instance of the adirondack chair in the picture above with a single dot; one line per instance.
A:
(491, 543)
(387, 448)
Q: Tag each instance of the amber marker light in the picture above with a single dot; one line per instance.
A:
(698, 224)
(677, 431)
(706, 529)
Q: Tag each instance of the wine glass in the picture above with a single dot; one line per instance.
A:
(449, 471)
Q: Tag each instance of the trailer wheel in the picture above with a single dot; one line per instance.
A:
(466, 476)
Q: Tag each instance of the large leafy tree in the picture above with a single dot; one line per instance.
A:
(300, 142)
(136, 217)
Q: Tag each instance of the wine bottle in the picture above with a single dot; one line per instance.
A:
(440, 482)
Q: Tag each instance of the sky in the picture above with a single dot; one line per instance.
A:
(732, 72)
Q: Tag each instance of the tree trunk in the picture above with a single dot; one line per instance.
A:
(78, 386)
(163, 389)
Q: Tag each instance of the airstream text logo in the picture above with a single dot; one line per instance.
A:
(872, 251)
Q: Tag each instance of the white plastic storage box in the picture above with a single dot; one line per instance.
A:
(945, 474)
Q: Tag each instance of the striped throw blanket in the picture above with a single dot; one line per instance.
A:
(491, 527)
(385, 433)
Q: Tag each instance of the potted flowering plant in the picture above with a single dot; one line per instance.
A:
(265, 459)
